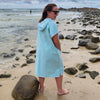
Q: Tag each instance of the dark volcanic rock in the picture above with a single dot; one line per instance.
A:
(93, 74)
(17, 58)
(26, 88)
(73, 20)
(67, 22)
(98, 33)
(95, 59)
(87, 18)
(81, 37)
(57, 22)
(82, 66)
(20, 50)
(91, 46)
(75, 47)
(23, 65)
(28, 55)
(95, 39)
(13, 66)
(61, 36)
(87, 71)
(14, 49)
(87, 36)
(5, 55)
(72, 37)
(98, 82)
(85, 24)
(97, 51)
(71, 70)
(5, 75)
(26, 39)
(32, 51)
(30, 61)
(84, 42)
(65, 52)
(29, 72)
(92, 22)
(98, 26)
(85, 32)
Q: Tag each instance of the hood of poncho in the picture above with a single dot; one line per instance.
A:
(43, 24)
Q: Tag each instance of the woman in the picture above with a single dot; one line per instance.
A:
(48, 56)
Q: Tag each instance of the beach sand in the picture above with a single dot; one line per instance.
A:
(79, 88)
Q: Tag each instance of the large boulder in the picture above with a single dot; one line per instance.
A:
(97, 51)
(26, 88)
(91, 46)
(84, 42)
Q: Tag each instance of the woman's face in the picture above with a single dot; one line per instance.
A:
(53, 14)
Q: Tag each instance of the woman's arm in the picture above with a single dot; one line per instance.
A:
(56, 41)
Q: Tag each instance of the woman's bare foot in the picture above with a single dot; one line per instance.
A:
(42, 88)
(63, 92)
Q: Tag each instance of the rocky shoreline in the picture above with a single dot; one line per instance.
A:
(80, 43)
(84, 9)
(91, 16)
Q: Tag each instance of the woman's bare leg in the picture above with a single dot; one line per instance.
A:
(41, 80)
(59, 86)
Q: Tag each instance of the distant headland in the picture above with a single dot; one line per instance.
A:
(79, 9)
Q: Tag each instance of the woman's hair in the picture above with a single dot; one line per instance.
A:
(47, 8)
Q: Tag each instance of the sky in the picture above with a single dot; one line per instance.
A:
(43, 3)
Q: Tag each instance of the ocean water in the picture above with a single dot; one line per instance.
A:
(17, 24)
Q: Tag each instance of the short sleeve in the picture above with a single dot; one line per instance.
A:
(53, 28)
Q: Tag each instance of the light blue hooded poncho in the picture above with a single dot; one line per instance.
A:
(48, 58)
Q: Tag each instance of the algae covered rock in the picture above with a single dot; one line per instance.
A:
(26, 88)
